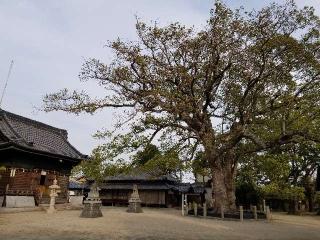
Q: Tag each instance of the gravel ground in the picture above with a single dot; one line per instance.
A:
(152, 224)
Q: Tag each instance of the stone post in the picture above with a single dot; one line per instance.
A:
(268, 213)
(182, 204)
(264, 205)
(187, 210)
(255, 215)
(186, 204)
(205, 210)
(241, 213)
(195, 209)
(222, 211)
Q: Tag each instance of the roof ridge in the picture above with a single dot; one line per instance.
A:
(62, 134)
(61, 131)
(18, 136)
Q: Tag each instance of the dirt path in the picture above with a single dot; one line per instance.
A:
(152, 224)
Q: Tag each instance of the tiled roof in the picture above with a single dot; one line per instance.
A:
(145, 180)
(181, 187)
(198, 188)
(141, 175)
(36, 136)
(146, 185)
(129, 186)
(78, 185)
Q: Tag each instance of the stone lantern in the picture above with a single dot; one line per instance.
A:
(92, 205)
(54, 190)
(134, 201)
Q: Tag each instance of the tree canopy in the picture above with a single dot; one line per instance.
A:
(247, 82)
(143, 156)
(287, 172)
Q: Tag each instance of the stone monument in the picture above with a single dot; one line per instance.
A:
(54, 190)
(92, 205)
(134, 201)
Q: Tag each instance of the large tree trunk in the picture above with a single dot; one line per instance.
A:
(222, 164)
(223, 188)
(223, 178)
(309, 192)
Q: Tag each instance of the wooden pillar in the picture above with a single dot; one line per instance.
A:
(241, 213)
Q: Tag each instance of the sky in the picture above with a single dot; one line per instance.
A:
(49, 40)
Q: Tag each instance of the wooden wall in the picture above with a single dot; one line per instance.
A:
(4, 180)
(148, 197)
(63, 182)
(153, 197)
(27, 182)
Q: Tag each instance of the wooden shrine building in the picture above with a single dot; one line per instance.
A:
(32, 155)
(157, 191)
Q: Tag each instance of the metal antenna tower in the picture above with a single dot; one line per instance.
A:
(6, 83)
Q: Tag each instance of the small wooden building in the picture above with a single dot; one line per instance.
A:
(157, 191)
(32, 155)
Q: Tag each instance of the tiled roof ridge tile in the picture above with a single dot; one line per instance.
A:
(36, 123)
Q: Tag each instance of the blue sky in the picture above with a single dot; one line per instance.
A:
(48, 41)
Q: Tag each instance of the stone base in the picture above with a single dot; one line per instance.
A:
(91, 209)
(76, 200)
(51, 210)
(134, 207)
(20, 201)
